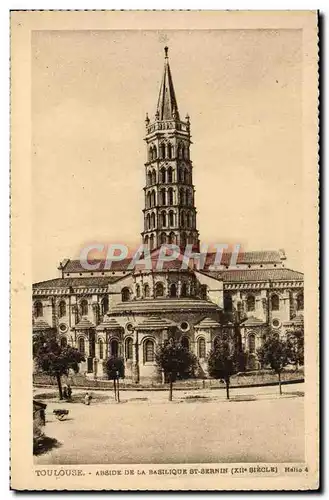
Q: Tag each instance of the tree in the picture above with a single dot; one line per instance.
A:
(222, 364)
(176, 361)
(295, 337)
(115, 369)
(54, 360)
(277, 353)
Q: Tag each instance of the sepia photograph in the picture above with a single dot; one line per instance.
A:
(170, 255)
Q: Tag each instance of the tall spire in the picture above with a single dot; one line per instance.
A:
(167, 108)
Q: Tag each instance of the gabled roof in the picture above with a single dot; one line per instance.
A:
(252, 321)
(109, 324)
(84, 324)
(41, 325)
(102, 281)
(207, 323)
(257, 257)
(75, 266)
(155, 323)
(297, 321)
(245, 275)
(167, 104)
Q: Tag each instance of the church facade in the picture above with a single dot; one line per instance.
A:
(129, 312)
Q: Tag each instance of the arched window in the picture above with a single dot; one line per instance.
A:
(300, 302)
(163, 238)
(155, 153)
(186, 153)
(181, 196)
(203, 290)
(201, 348)
(170, 196)
(82, 346)
(63, 342)
(151, 154)
(162, 150)
(38, 308)
(228, 303)
(171, 218)
(163, 219)
(159, 290)
(138, 291)
(179, 174)
(114, 348)
(182, 219)
(62, 309)
(149, 178)
(146, 290)
(251, 343)
(153, 220)
(185, 343)
(169, 175)
(101, 349)
(163, 196)
(151, 241)
(84, 307)
(149, 351)
(183, 151)
(250, 303)
(129, 348)
(125, 294)
(275, 302)
(163, 175)
(148, 200)
(188, 219)
(172, 238)
(154, 177)
(169, 150)
(180, 151)
(173, 290)
(148, 221)
(183, 291)
(104, 305)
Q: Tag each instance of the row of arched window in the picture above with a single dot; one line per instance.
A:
(187, 220)
(167, 151)
(168, 197)
(62, 307)
(274, 302)
(171, 239)
(166, 175)
(159, 291)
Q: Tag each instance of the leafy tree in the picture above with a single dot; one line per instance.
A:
(277, 353)
(54, 360)
(222, 364)
(295, 337)
(176, 361)
(115, 369)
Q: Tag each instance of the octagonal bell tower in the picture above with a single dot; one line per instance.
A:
(169, 213)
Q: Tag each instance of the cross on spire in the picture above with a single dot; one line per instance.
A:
(167, 108)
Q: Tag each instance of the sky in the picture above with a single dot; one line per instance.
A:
(90, 94)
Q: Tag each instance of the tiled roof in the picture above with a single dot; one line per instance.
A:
(262, 257)
(297, 321)
(74, 266)
(252, 321)
(245, 275)
(76, 282)
(40, 325)
(161, 305)
(207, 323)
(175, 264)
(155, 323)
(84, 324)
(109, 324)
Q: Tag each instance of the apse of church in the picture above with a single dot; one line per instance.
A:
(129, 312)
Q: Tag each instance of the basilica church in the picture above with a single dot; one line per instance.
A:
(129, 312)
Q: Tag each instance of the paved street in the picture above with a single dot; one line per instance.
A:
(203, 429)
